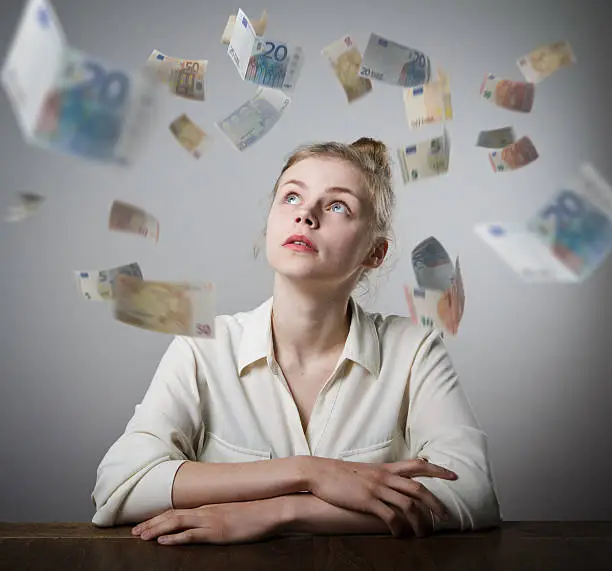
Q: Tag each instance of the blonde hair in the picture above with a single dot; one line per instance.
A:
(371, 158)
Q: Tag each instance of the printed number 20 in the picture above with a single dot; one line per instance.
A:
(276, 49)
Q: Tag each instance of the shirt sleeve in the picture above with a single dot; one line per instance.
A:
(442, 428)
(135, 477)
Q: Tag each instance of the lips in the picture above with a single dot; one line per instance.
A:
(300, 240)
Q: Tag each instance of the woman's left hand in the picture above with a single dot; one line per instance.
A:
(234, 522)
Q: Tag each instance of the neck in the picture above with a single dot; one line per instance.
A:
(307, 326)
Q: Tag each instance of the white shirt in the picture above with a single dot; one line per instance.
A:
(393, 395)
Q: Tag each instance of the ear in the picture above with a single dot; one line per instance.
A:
(377, 254)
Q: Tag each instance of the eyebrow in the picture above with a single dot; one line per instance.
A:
(329, 189)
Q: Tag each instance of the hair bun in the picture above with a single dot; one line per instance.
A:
(375, 149)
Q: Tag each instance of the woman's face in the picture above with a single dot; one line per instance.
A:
(323, 200)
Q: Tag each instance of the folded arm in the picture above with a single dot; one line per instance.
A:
(442, 428)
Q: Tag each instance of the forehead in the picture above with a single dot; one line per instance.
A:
(325, 172)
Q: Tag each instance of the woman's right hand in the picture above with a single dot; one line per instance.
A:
(383, 489)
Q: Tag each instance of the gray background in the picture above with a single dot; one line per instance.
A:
(534, 360)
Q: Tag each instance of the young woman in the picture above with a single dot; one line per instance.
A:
(306, 414)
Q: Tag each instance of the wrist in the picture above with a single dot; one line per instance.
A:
(303, 472)
(284, 513)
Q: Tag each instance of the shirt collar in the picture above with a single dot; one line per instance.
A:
(362, 344)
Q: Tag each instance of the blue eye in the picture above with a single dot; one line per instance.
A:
(342, 205)
(290, 195)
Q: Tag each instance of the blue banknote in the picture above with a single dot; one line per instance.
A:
(94, 111)
(394, 63)
(581, 231)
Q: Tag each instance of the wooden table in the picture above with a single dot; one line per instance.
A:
(516, 546)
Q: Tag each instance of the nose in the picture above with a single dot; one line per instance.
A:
(307, 218)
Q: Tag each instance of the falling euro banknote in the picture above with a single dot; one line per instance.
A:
(513, 95)
(566, 240)
(429, 103)
(27, 204)
(393, 63)
(442, 310)
(262, 61)
(259, 26)
(545, 60)
(514, 156)
(174, 308)
(432, 265)
(496, 138)
(253, 119)
(189, 135)
(184, 77)
(68, 101)
(345, 59)
(425, 159)
(99, 285)
(128, 218)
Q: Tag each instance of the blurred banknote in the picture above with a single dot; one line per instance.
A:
(522, 250)
(27, 204)
(345, 58)
(545, 60)
(432, 265)
(442, 310)
(429, 103)
(258, 25)
(513, 95)
(253, 119)
(98, 285)
(184, 77)
(189, 135)
(425, 159)
(576, 222)
(514, 156)
(69, 101)
(176, 308)
(263, 61)
(126, 217)
(496, 138)
(390, 62)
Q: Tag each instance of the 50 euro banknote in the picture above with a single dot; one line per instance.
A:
(189, 135)
(184, 77)
(429, 103)
(263, 61)
(68, 101)
(124, 217)
(174, 308)
(99, 285)
(545, 60)
(345, 59)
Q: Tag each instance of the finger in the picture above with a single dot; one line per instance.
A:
(416, 490)
(173, 522)
(425, 517)
(411, 513)
(187, 536)
(420, 467)
(389, 516)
